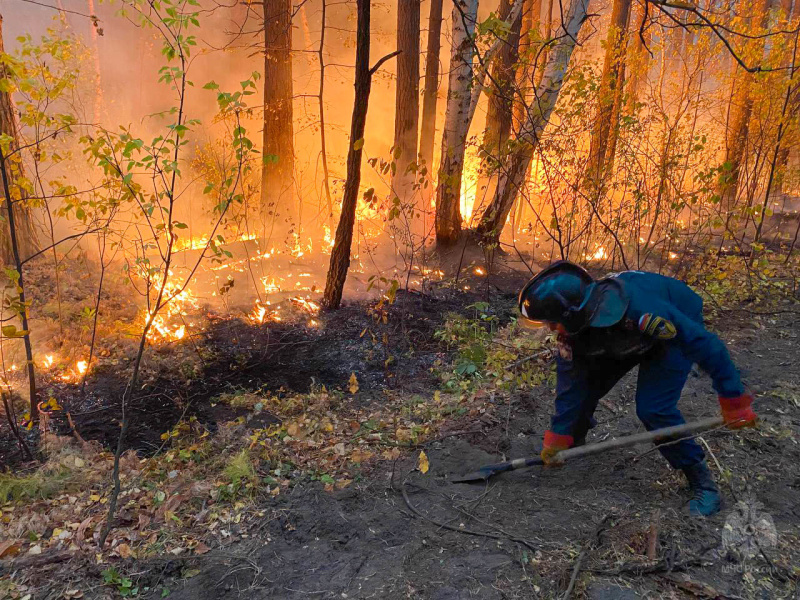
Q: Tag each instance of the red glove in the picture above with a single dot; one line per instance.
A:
(737, 412)
(553, 444)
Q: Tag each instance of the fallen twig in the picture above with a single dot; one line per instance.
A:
(463, 530)
(590, 543)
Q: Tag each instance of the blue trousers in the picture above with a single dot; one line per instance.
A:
(662, 374)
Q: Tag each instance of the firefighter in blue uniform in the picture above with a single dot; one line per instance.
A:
(608, 326)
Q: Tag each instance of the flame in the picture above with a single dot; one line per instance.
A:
(479, 271)
(178, 302)
(261, 314)
(82, 366)
(599, 254)
(201, 241)
(49, 360)
(307, 305)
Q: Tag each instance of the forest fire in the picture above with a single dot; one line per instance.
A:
(268, 245)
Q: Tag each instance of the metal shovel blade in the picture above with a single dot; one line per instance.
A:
(488, 471)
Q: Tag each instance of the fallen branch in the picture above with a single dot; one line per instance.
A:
(590, 543)
(38, 560)
(661, 566)
(652, 536)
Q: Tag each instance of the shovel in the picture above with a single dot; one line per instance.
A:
(656, 436)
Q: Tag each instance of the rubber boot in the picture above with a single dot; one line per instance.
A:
(706, 498)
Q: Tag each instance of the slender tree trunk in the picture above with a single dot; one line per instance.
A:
(323, 146)
(15, 250)
(456, 126)
(25, 231)
(17, 236)
(406, 119)
(787, 101)
(340, 255)
(501, 97)
(638, 62)
(529, 46)
(431, 92)
(277, 175)
(547, 92)
(741, 108)
(609, 95)
(794, 106)
(529, 32)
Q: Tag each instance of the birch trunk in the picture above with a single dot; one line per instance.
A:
(456, 125)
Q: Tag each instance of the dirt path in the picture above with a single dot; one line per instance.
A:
(365, 542)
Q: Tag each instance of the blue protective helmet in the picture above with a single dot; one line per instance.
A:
(565, 293)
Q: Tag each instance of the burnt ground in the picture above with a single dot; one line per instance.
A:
(367, 542)
(397, 533)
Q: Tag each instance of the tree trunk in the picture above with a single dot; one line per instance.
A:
(794, 107)
(323, 144)
(547, 92)
(25, 231)
(456, 125)
(529, 32)
(277, 174)
(501, 96)
(741, 107)
(430, 94)
(406, 120)
(638, 59)
(601, 153)
(340, 255)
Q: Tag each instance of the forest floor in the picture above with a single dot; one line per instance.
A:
(326, 432)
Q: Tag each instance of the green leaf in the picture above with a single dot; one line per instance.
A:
(358, 144)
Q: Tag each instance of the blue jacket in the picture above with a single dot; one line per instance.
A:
(662, 311)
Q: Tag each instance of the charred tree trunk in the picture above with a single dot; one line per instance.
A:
(406, 119)
(456, 125)
(547, 92)
(431, 92)
(501, 98)
(601, 152)
(277, 175)
(25, 231)
(340, 255)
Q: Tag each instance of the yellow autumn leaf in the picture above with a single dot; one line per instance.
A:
(424, 464)
(353, 383)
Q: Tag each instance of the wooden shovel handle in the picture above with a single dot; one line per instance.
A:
(658, 435)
